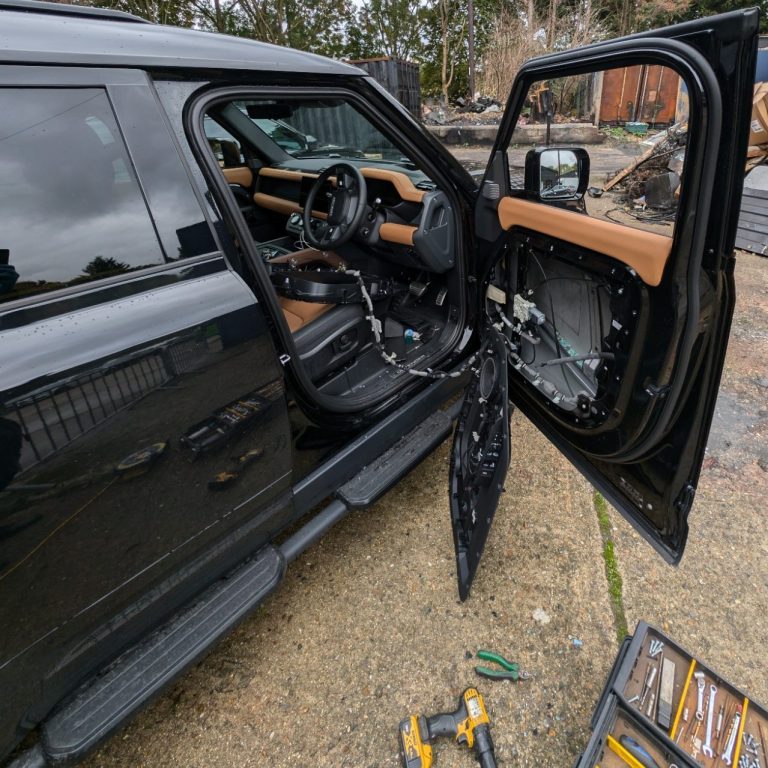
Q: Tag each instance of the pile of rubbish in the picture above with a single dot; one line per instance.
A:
(752, 232)
(482, 111)
(481, 104)
(650, 185)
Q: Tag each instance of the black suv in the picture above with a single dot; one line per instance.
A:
(242, 292)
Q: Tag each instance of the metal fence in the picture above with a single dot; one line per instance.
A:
(340, 125)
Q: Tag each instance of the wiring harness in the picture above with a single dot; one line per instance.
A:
(391, 358)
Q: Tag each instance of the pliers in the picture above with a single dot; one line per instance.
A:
(509, 670)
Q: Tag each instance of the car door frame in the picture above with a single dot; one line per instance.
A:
(392, 119)
(706, 245)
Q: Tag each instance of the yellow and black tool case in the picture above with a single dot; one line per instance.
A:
(662, 707)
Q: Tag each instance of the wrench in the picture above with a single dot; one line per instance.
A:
(727, 757)
(707, 749)
(700, 700)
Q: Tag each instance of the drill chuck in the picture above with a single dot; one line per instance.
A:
(484, 747)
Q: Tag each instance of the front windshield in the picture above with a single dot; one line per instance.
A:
(322, 128)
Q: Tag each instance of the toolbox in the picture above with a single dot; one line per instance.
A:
(664, 708)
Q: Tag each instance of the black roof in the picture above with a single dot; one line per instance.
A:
(53, 33)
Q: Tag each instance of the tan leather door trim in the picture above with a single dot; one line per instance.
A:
(397, 233)
(281, 205)
(645, 252)
(242, 176)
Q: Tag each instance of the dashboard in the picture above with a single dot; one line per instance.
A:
(412, 224)
(395, 202)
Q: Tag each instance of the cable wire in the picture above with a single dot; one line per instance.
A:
(391, 359)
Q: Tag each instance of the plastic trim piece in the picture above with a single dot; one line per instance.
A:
(132, 680)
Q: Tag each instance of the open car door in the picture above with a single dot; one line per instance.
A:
(614, 329)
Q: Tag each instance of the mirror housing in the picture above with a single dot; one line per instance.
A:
(556, 174)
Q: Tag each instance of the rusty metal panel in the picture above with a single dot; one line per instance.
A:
(619, 92)
(643, 93)
(659, 96)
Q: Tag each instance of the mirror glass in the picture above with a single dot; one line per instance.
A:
(559, 173)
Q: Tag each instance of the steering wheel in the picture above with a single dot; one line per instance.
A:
(347, 202)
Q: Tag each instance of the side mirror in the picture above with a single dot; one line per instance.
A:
(556, 173)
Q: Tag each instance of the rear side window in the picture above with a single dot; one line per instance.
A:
(70, 205)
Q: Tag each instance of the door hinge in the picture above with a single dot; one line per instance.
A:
(657, 390)
(284, 359)
(685, 497)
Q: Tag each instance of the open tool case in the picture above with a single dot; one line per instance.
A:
(660, 703)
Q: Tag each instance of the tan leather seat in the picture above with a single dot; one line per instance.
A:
(300, 313)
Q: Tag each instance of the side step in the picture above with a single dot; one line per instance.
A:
(134, 678)
(367, 486)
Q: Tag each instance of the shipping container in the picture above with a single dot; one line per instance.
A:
(643, 93)
(399, 77)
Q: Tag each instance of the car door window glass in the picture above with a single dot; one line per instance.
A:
(72, 208)
(633, 123)
(321, 128)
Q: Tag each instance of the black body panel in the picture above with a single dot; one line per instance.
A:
(78, 546)
(123, 398)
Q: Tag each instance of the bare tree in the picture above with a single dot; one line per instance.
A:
(451, 37)
(522, 32)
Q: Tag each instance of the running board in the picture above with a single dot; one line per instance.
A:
(107, 701)
(381, 474)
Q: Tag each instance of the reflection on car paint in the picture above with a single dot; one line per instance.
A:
(99, 503)
(224, 425)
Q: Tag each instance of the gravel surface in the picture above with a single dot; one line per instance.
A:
(714, 603)
(604, 159)
(368, 628)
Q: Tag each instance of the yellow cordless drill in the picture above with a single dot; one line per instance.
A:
(469, 725)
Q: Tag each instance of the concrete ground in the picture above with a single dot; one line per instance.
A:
(715, 602)
(604, 159)
(368, 628)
